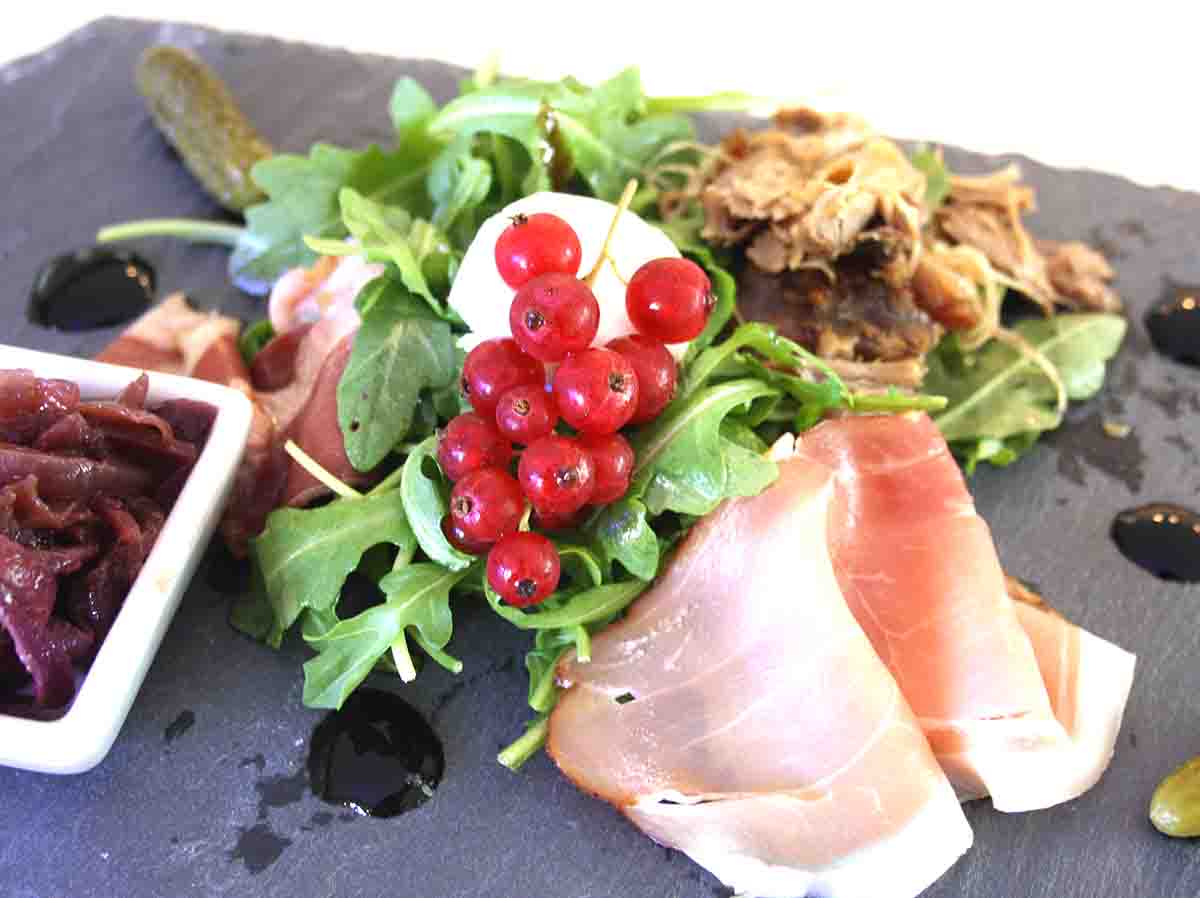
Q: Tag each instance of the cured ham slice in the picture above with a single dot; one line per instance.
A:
(739, 714)
(1089, 680)
(919, 571)
(293, 384)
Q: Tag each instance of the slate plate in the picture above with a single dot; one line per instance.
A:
(205, 794)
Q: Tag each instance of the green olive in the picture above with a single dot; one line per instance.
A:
(1175, 807)
(196, 112)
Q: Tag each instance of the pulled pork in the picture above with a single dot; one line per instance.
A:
(844, 254)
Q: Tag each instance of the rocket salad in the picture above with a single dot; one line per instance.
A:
(415, 209)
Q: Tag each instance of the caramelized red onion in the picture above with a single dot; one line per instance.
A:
(85, 488)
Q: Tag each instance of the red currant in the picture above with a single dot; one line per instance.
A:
(526, 413)
(523, 568)
(486, 505)
(557, 475)
(492, 369)
(596, 391)
(455, 536)
(669, 299)
(614, 465)
(554, 315)
(469, 443)
(655, 369)
(536, 244)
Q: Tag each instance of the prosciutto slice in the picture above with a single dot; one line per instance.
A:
(293, 384)
(920, 573)
(1089, 680)
(739, 714)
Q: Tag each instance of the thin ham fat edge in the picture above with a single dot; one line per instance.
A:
(983, 676)
(820, 783)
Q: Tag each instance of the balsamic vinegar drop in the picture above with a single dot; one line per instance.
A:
(1161, 538)
(376, 756)
(91, 288)
(1174, 324)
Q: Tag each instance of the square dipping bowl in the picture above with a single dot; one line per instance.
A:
(79, 740)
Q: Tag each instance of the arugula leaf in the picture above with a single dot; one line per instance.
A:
(682, 464)
(1000, 453)
(602, 134)
(724, 288)
(411, 109)
(458, 184)
(612, 139)
(418, 599)
(303, 200)
(540, 662)
(305, 555)
(750, 471)
(996, 392)
(600, 603)
(425, 506)
(254, 337)
(389, 234)
(937, 176)
(621, 533)
(399, 350)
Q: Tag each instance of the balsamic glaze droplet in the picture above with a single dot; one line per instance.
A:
(91, 288)
(1161, 538)
(1174, 324)
(376, 756)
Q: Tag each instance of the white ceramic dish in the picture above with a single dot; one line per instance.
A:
(80, 739)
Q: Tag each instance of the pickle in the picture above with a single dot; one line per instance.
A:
(198, 115)
(1175, 807)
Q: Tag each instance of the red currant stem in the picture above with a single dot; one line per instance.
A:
(524, 524)
(527, 746)
(622, 205)
(313, 467)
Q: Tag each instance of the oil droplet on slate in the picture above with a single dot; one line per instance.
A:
(376, 756)
(91, 288)
(1174, 324)
(1161, 538)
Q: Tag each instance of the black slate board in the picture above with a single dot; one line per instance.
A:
(205, 793)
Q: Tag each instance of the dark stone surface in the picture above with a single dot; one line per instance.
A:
(219, 806)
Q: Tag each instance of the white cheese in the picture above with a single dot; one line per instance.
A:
(480, 296)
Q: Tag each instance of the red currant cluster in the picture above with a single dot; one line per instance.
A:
(554, 318)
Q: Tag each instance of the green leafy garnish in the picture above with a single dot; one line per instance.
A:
(305, 555)
(425, 504)
(254, 337)
(418, 600)
(622, 534)
(1000, 400)
(400, 350)
(389, 234)
(303, 199)
(682, 462)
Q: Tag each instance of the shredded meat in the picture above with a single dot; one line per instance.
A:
(804, 201)
(844, 254)
(1080, 276)
(853, 317)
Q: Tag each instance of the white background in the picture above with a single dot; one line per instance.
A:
(1094, 85)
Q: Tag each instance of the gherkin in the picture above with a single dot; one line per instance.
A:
(1175, 807)
(197, 114)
